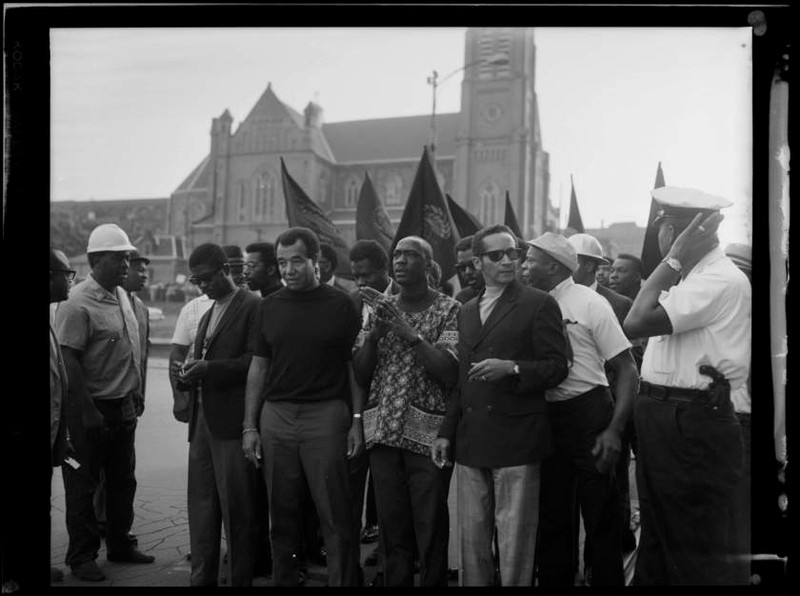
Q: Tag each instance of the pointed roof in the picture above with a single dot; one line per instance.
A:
(198, 178)
(390, 138)
(266, 106)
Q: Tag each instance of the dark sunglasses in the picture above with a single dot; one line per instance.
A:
(462, 267)
(68, 273)
(199, 279)
(497, 255)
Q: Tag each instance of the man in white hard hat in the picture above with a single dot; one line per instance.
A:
(99, 338)
(696, 308)
(590, 258)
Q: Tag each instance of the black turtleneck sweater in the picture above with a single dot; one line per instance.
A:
(308, 339)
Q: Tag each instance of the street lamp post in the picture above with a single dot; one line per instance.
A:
(434, 81)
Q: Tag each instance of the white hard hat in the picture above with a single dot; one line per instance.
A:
(109, 237)
(587, 246)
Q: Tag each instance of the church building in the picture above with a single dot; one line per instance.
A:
(493, 145)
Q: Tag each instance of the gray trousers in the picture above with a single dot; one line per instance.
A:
(309, 438)
(506, 499)
(222, 486)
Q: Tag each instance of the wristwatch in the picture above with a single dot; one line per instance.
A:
(673, 264)
(515, 370)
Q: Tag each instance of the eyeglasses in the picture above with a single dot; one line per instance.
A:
(68, 273)
(207, 278)
(497, 255)
(462, 267)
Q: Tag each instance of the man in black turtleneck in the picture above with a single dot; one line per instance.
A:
(303, 407)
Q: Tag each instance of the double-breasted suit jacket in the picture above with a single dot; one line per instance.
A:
(504, 423)
(229, 351)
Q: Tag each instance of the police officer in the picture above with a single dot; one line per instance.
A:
(696, 307)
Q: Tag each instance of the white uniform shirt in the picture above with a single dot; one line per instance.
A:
(710, 314)
(189, 320)
(594, 334)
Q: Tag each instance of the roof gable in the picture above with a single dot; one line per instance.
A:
(269, 112)
(198, 178)
(390, 138)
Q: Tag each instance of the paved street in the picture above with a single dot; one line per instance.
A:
(161, 522)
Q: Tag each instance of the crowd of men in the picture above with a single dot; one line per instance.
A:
(532, 386)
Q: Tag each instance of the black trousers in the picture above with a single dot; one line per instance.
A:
(570, 474)
(687, 471)
(109, 449)
(411, 498)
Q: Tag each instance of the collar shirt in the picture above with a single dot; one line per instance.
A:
(218, 308)
(102, 326)
(710, 312)
(332, 281)
(593, 287)
(488, 301)
(189, 320)
(594, 335)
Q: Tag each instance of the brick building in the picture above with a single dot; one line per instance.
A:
(493, 145)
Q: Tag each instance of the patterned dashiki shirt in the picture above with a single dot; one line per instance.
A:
(406, 405)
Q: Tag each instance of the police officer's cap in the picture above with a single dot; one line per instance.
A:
(685, 203)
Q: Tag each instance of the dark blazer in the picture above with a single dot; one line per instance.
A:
(465, 295)
(228, 355)
(504, 423)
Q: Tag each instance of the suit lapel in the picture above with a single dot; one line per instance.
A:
(226, 317)
(505, 305)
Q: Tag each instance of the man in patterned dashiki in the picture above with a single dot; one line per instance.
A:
(408, 349)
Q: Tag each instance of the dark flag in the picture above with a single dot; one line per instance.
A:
(651, 253)
(575, 222)
(372, 220)
(511, 219)
(427, 215)
(466, 223)
(302, 211)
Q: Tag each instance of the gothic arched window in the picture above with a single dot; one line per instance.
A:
(269, 205)
(393, 189)
(242, 201)
(489, 203)
(351, 190)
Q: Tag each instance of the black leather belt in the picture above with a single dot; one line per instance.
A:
(676, 394)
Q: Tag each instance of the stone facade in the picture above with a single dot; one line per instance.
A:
(234, 196)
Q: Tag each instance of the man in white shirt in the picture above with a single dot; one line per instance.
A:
(696, 308)
(587, 423)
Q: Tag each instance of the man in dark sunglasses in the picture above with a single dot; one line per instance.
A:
(511, 349)
(471, 281)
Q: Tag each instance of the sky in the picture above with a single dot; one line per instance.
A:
(131, 109)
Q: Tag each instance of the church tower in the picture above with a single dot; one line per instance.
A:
(498, 147)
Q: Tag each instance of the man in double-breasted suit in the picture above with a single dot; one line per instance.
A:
(511, 349)
(221, 481)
